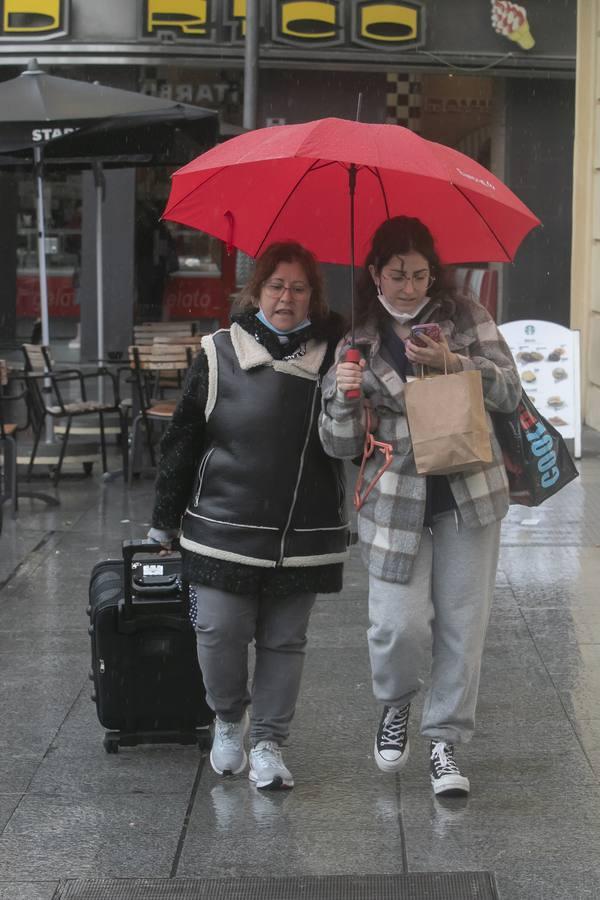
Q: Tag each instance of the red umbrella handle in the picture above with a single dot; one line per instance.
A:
(352, 356)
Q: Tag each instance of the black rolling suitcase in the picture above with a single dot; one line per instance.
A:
(147, 682)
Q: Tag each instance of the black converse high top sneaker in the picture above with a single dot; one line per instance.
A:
(445, 774)
(391, 743)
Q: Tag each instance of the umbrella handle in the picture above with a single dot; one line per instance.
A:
(352, 356)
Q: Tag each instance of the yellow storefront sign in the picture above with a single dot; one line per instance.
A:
(371, 23)
(388, 22)
(309, 20)
(238, 16)
(31, 17)
(190, 17)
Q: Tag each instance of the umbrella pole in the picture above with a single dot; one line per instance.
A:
(352, 355)
(43, 276)
(100, 185)
(352, 187)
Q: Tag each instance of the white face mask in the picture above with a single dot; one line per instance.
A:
(401, 317)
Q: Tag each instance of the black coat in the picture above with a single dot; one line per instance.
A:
(185, 444)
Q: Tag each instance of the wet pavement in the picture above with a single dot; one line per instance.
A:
(68, 810)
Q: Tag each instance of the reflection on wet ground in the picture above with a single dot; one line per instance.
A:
(69, 810)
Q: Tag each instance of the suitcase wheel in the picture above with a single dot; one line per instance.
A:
(111, 744)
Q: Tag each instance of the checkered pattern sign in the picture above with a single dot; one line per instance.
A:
(403, 100)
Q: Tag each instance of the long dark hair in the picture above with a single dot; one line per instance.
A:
(288, 252)
(397, 236)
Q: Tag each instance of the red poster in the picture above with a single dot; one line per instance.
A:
(61, 297)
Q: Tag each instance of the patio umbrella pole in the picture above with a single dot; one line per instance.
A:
(100, 182)
(100, 189)
(352, 355)
(41, 229)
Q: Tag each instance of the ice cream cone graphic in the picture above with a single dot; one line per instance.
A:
(510, 20)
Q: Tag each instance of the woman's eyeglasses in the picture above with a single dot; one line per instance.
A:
(276, 289)
(420, 279)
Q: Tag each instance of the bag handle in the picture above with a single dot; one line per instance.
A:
(369, 448)
(422, 368)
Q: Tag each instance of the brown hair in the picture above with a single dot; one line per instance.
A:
(286, 251)
(396, 236)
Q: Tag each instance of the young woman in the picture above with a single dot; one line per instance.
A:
(430, 542)
(259, 505)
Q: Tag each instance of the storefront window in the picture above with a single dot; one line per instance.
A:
(62, 200)
(62, 205)
(183, 249)
(196, 251)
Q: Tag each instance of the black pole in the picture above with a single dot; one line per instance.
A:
(352, 187)
(352, 355)
(251, 52)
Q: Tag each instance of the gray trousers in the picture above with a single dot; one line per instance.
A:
(226, 625)
(440, 617)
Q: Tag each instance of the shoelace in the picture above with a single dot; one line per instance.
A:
(442, 756)
(229, 733)
(268, 754)
(394, 726)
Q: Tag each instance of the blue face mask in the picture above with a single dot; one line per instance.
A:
(262, 318)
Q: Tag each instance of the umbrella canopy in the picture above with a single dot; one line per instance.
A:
(63, 122)
(164, 137)
(292, 182)
(36, 108)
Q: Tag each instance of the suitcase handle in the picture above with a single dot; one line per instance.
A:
(163, 584)
(135, 548)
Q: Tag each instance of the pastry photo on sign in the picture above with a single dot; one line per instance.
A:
(559, 374)
(557, 421)
(528, 376)
(555, 402)
(557, 354)
(529, 356)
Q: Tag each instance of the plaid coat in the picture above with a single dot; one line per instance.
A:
(390, 523)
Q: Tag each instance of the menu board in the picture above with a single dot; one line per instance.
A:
(547, 357)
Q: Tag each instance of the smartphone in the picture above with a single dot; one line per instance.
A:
(431, 329)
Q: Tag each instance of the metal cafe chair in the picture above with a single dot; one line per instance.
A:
(61, 394)
(8, 444)
(148, 363)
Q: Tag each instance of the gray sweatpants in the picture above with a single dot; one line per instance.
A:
(226, 625)
(443, 611)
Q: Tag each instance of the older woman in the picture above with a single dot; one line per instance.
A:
(260, 505)
(430, 542)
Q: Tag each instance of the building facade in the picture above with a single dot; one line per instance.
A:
(585, 280)
(493, 79)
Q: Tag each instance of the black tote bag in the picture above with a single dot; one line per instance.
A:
(537, 461)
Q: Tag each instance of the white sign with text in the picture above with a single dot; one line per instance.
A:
(547, 357)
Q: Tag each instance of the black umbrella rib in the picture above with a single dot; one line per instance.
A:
(317, 164)
(377, 175)
(487, 224)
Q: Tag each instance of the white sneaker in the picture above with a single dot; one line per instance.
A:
(267, 769)
(391, 741)
(227, 755)
(446, 778)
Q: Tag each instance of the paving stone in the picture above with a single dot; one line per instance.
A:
(72, 817)
(8, 804)
(28, 890)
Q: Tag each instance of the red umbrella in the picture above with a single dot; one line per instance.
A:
(292, 182)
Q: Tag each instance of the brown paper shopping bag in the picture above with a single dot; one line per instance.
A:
(448, 424)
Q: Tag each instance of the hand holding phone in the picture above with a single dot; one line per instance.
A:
(431, 329)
